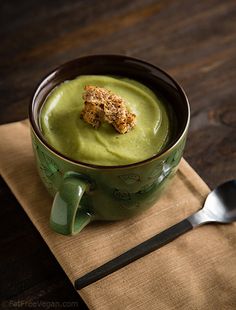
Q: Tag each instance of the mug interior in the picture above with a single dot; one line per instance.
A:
(154, 78)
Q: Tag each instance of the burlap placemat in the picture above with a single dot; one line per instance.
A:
(196, 271)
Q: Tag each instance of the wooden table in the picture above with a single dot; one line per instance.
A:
(195, 41)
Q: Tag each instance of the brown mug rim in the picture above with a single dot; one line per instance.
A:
(39, 135)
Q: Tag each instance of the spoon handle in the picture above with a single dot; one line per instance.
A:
(135, 253)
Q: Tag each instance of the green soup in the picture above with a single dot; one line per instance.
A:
(64, 130)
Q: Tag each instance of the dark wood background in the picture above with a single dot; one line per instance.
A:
(195, 41)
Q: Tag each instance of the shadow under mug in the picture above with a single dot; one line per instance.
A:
(85, 192)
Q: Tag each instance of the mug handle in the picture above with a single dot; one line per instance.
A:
(67, 215)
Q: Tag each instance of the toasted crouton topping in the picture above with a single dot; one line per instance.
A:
(102, 105)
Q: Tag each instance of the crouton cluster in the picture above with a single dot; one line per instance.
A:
(101, 105)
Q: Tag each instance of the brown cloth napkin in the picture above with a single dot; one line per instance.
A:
(196, 271)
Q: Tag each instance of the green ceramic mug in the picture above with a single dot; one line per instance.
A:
(84, 192)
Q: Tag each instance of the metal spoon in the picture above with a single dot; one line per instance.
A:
(219, 207)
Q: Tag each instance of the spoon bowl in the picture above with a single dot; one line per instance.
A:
(219, 206)
(221, 202)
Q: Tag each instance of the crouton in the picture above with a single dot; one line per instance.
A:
(101, 105)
